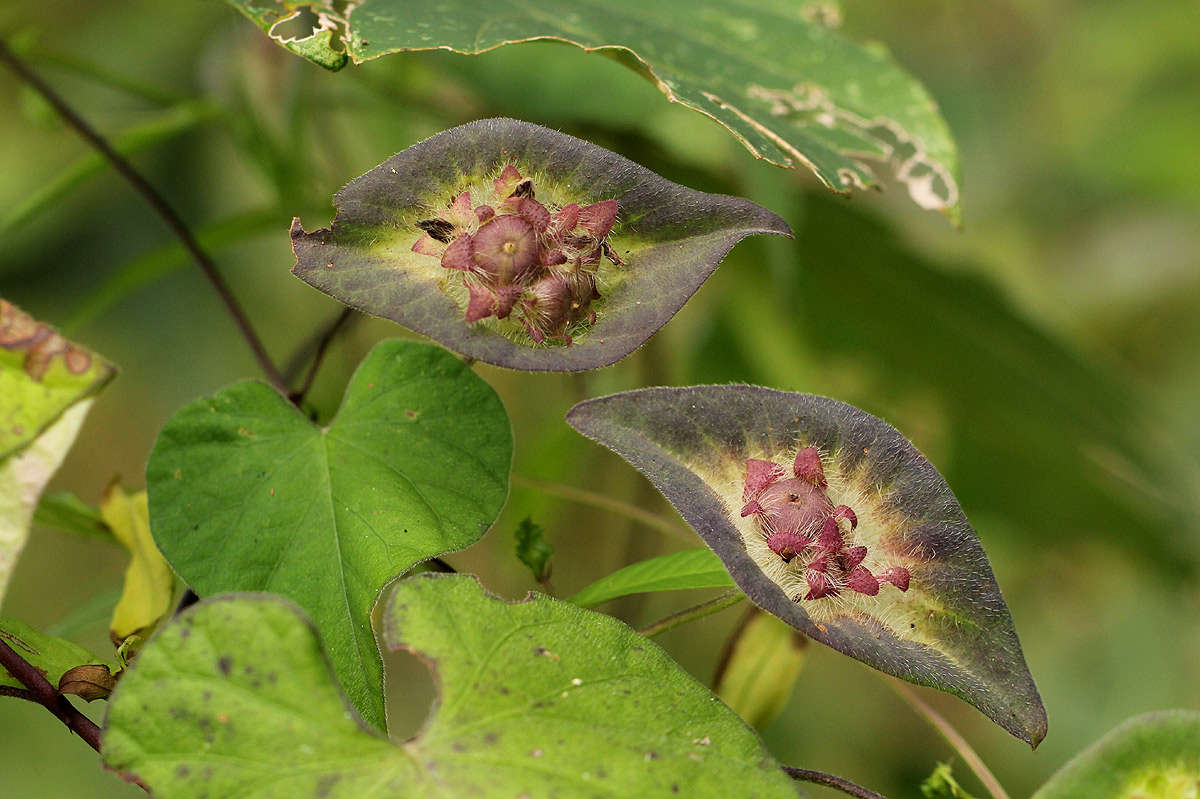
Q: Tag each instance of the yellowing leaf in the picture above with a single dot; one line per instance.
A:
(22, 478)
(149, 582)
(763, 666)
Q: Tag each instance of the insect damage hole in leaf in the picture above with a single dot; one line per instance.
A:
(874, 557)
(537, 698)
(523, 247)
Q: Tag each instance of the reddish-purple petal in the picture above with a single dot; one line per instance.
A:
(853, 556)
(759, 475)
(846, 512)
(831, 536)
(785, 544)
(819, 586)
(484, 212)
(428, 245)
(862, 581)
(598, 218)
(481, 303)
(458, 254)
(751, 507)
(897, 576)
(807, 467)
(508, 180)
(534, 213)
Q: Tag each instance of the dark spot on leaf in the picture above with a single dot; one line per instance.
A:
(326, 783)
(491, 738)
(225, 664)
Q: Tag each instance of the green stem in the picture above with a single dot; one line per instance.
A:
(584, 497)
(953, 737)
(725, 600)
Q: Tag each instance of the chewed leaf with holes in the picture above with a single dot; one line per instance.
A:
(775, 73)
(538, 698)
(1155, 756)
(246, 494)
(830, 519)
(523, 247)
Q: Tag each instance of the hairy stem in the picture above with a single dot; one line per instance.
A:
(829, 780)
(953, 737)
(41, 691)
(156, 201)
(585, 497)
(725, 600)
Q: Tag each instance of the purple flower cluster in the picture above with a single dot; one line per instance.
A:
(803, 527)
(519, 259)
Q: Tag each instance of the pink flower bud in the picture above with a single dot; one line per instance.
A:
(484, 212)
(785, 544)
(897, 576)
(598, 218)
(853, 556)
(819, 586)
(831, 537)
(807, 467)
(508, 180)
(862, 581)
(759, 475)
(846, 512)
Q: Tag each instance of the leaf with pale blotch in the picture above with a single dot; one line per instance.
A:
(23, 475)
(776, 74)
(666, 242)
(41, 375)
(692, 568)
(538, 698)
(53, 656)
(149, 583)
(246, 494)
(761, 669)
(950, 629)
(1155, 756)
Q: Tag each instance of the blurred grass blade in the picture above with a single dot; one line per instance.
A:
(167, 125)
(692, 568)
(64, 511)
(157, 263)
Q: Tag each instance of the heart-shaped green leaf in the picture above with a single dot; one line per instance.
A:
(248, 495)
(692, 568)
(497, 239)
(776, 75)
(829, 518)
(538, 698)
(1155, 756)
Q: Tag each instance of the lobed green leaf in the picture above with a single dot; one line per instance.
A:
(537, 698)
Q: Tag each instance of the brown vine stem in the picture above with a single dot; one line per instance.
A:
(952, 736)
(585, 497)
(831, 781)
(725, 600)
(41, 691)
(319, 354)
(156, 202)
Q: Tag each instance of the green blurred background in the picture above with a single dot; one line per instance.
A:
(1046, 357)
